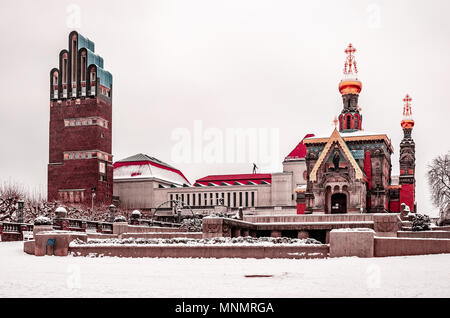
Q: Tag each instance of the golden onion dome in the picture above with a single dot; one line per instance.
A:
(407, 124)
(350, 86)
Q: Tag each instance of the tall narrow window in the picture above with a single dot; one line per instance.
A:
(228, 199)
(64, 70)
(240, 199)
(74, 58)
(234, 199)
(83, 67)
(246, 199)
(348, 122)
(253, 199)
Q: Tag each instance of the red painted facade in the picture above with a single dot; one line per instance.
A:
(407, 195)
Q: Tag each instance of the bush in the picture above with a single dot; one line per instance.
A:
(42, 220)
(421, 222)
(192, 225)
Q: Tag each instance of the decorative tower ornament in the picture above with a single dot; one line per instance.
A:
(407, 157)
(350, 63)
(350, 118)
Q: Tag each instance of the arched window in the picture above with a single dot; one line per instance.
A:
(83, 67)
(74, 58)
(348, 122)
(64, 68)
(55, 79)
(356, 122)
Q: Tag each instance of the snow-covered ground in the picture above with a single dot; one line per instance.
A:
(22, 275)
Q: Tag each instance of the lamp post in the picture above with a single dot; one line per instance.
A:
(112, 208)
(92, 198)
(20, 205)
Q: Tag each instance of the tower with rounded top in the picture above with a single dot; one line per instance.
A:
(80, 158)
(350, 86)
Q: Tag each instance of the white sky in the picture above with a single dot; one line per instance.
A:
(230, 64)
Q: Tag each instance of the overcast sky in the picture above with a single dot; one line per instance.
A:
(260, 64)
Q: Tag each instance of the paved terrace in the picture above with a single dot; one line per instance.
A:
(301, 226)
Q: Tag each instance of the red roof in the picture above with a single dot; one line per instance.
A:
(299, 151)
(257, 178)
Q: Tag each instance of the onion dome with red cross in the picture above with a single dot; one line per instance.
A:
(350, 84)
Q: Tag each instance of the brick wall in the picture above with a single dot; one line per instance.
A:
(79, 173)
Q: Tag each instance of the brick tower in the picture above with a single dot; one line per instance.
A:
(80, 159)
(407, 158)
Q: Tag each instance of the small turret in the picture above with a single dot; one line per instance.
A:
(350, 87)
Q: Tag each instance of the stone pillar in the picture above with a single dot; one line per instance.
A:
(303, 234)
(23, 228)
(215, 227)
(41, 228)
(120, 228)
(61, 246)
(64, 225)
(352, 242)
(83, 226)
(236, 232)
(275, 234)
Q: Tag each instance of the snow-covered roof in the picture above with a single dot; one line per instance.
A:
(355, 133)
(235, 179)
(141, 166)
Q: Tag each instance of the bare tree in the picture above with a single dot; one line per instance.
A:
(439, 181)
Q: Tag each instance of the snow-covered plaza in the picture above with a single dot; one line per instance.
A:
(22, 275)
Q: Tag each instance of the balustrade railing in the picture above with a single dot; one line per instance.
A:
(11, 227)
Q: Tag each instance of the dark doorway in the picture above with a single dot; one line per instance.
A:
(338, 203)
(320, 235)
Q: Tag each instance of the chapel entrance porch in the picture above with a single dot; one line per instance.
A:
(339, 203)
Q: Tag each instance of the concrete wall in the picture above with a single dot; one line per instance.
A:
(309, 218)
(164, 235)
(282, 193)
(425, 234)
(136, 194)
(358, 242)
(210, 251)
(298, 169)
(410, 246)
